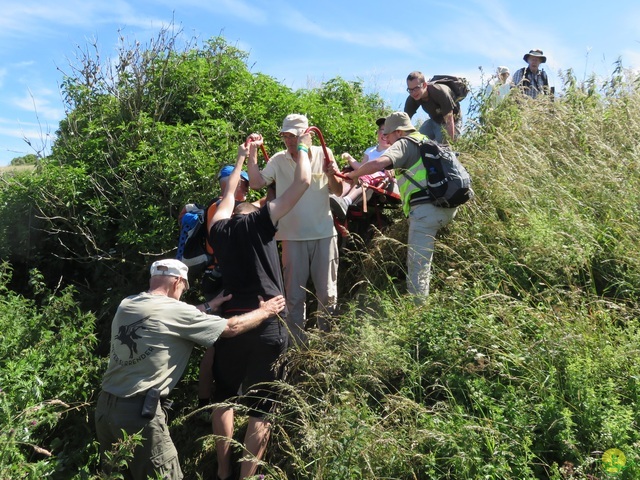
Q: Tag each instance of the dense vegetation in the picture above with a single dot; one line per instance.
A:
(522, 364)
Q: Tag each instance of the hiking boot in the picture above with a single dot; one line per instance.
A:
(338, 207)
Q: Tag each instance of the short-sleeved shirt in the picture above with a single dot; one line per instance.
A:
(249, 260)
(151, 340)
(403, 154)
(439, 103)
(310, 218)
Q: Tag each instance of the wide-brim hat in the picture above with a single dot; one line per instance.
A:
(535, 53)
(398, 121)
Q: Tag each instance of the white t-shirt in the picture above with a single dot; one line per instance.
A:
(151, 340)
(372, 153)
(310, 218)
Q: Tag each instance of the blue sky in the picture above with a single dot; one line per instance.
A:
(302, 44)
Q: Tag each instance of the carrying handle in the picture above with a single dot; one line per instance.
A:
(264, 151)
(317, 131)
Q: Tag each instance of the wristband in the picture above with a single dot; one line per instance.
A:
(303, 148)
(207, 308)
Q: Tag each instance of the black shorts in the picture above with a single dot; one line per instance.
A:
(250, 360)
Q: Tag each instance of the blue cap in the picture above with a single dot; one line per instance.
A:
(226, 171)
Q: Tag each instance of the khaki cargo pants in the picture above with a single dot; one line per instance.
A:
(156, 455)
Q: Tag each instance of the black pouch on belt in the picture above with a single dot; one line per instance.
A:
(150, 404)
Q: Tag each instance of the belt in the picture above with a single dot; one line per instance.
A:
(134, 400)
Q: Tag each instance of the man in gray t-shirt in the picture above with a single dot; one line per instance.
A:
(152, 336)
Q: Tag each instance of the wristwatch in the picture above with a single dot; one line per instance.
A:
(207, 308)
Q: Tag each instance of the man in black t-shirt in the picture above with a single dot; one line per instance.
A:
(243, 236)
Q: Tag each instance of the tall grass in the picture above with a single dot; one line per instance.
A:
(523, 363)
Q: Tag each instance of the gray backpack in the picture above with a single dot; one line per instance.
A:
(448, 182)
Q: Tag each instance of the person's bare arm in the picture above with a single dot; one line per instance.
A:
(450, 126)
(247, 321)
(214, 304)
(372, 166)
(228, 201)
(353, 163)
(331, 170)
(280, 206)
(255, 178)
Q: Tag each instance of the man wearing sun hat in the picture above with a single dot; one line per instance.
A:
(531, 80)
(425, 219)
(307, 235)
(152, 335)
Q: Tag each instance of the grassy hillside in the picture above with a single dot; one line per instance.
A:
(524, 361)
(522, 364)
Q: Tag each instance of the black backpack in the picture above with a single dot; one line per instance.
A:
(459, 86)
(448, 182)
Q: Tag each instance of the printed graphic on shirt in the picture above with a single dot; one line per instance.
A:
(127, 334)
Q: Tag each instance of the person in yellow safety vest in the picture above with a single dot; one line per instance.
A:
(425, 219)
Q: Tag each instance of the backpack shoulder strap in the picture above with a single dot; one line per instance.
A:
(545, 80)
(421, 143)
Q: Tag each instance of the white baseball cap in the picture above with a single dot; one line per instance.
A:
(171, 267)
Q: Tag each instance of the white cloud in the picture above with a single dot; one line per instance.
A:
(39, 104)
(378, 38)
(19, 139)
(21, 19)
(10, 128)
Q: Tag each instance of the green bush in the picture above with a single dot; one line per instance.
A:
(48, 373)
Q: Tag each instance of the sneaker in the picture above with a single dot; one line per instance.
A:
(338, 207)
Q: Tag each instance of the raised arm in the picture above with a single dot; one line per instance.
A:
(280, 206)
(353, 163)
(228, 201)
(255, 178)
